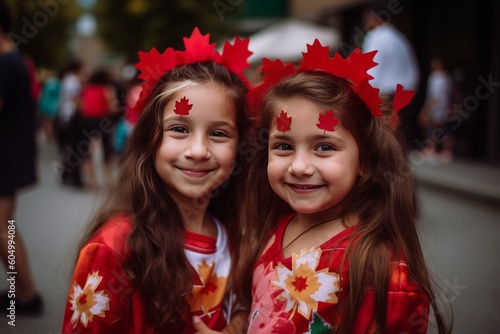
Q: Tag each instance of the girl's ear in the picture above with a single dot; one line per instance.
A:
(361, 171)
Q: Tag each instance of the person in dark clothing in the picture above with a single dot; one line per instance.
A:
(68, 125)
(17, 169)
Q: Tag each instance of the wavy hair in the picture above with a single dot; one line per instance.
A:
(383, 200)
(157, 264)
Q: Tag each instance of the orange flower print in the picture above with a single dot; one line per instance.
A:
(303, 286)
(87, 302)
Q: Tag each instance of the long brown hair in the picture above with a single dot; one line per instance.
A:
(157, 265)
(383, 199)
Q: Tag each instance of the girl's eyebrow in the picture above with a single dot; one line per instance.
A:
(280, 136)
(224, 123)
(331, 137)
(175, 118)
(184, 119)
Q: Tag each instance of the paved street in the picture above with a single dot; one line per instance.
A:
(50, 218)
(461, 239)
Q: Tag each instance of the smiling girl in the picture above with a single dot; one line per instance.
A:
(158, 251)
(330, 240)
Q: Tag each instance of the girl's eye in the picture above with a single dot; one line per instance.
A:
(218, 133)
(179, 129)
(283, 147)
(325, 148)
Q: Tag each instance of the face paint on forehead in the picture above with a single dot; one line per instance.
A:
(327, 121)
(182, 106)
(283, 122)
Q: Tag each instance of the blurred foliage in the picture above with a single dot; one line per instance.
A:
(129, 26)
(43, 29)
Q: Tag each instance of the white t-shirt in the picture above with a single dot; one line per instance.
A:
(439, 87)
(70, 89)
(395, 57)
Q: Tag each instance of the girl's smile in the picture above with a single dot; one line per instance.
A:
(303, 188)
(309, 168)
(198, 150)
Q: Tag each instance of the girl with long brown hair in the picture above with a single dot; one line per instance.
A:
(329, 242)
(158, 252)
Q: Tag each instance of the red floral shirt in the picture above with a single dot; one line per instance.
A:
(101, 298)
(300, 294)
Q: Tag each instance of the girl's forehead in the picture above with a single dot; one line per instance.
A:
(198, 94)
(301, 113)
(298, 103)
(194, 101)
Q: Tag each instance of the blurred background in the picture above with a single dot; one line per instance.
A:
(464, 34)
(459, 197)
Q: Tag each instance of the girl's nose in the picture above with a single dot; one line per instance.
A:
(301, 165)
(198, 149)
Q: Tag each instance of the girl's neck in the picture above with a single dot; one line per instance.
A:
(327, 216)
(308, 222)
(195, 215)
(307, 231)
(197, 219)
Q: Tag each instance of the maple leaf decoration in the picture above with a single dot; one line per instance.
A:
(370, 97)
(209, 288)
(235, 56)
(327, 121)
(353, 68)
(283, 122)
(182, 106)
(153, 65)
(401, 99)
(148, 64)
(274, 71)
(316, 57)
(198, 47)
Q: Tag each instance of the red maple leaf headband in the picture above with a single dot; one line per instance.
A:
(353, 68)
(154, 65)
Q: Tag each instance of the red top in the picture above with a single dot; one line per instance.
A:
(102, 298)
(300, 294)
(94, 101)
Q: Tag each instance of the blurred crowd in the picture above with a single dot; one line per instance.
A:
(86, 113)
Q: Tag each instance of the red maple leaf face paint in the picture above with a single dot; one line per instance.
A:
(182, 107)
(283, 122)
(327, 121)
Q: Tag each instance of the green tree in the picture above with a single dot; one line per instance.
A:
(43, 29)
(129, 26)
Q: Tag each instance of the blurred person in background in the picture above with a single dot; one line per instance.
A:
(397, 62)
(129, 119)
(98, 106)
(49, 103)
(18, 166)
(434, 114)
(67, 127)
(396, 59)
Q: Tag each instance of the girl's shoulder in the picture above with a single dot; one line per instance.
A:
(114, 234)
(400, 280)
